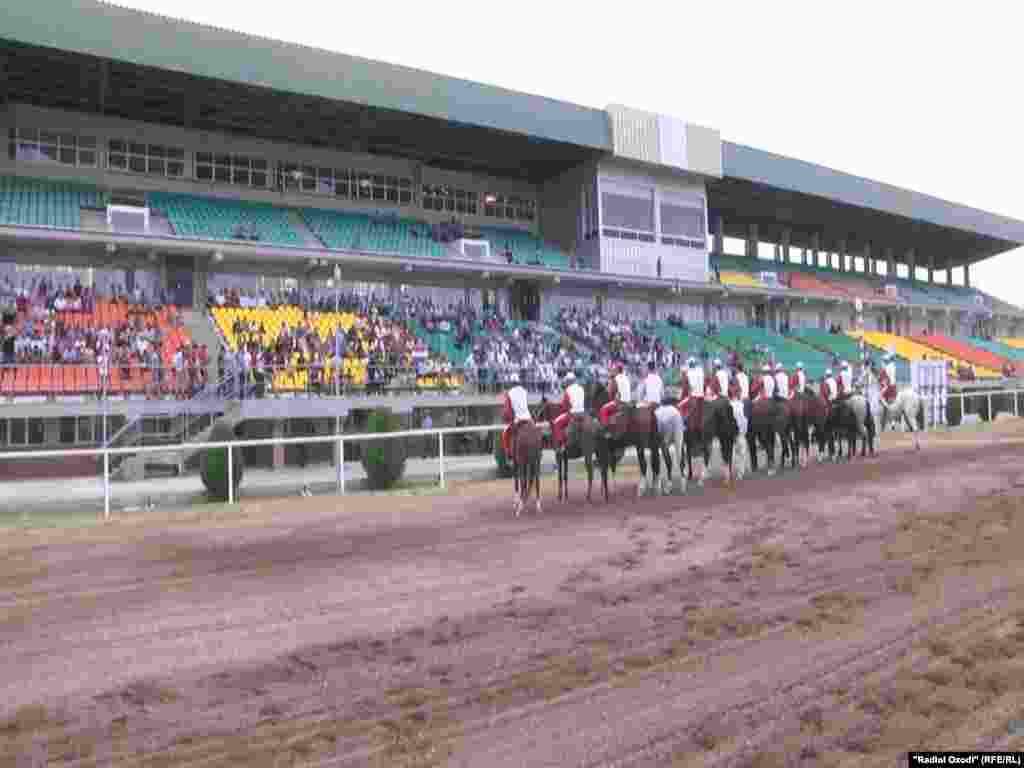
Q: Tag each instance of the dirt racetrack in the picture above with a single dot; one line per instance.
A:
(835, 616)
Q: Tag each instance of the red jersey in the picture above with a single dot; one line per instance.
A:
(685, 387)
(734, 389)
(755, 387)
(507, 413)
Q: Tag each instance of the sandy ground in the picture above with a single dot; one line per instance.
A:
(833, 616)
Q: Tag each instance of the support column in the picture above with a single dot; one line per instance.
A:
(949, 274)
(931, 267)
(778, 250)
(967, 275)
(278, 459)
(815, 247)
(787, 236)
(912, 264)
(842, 255)
(869, 263)
(890, 261)
(719, 243)
(752, 242)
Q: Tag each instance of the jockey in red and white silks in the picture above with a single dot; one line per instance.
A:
(515, 412)
(764, 385)
(797, 381)
(743, 381)
(781, 382)
(572, 406)
(845, 381)
(652, 388)
(719, 385)
(619, 391)
(692, 385)
(829, 387)
(887, 379)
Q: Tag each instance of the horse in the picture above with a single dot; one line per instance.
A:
(672, 431)
(851, 418)
(768, 417)
(816, 410)
(907, 403)
(631, 426)
(711, 419)
(585, 446)
(800, 407)
(527, 447)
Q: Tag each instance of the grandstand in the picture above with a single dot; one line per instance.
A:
(165, 175)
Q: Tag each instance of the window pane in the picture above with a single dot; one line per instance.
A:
(378, 193)
(45, 137)
(241, 176)
(87, 157)
(682, 220)
(259, 179)
(137, 149)
(204, 173)
(48, 151)
(222, 173)
(405, 196)
(627, 212)
(68, 140)
(155, 150)
(29, 134)
(67, 429)
(116, 161)
(36, 432)
(222, 160)
(85, 429)
(341, 188)
(87, 141)
(137, 164)
(67, 156)
(176, 153)
(156, 166)
(259, 164)
(18, 432)
(240, 162)
(204, 157)
(175, 168)
(392, 198)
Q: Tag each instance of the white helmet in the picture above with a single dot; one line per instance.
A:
(845, 364)
(779, 367)
(799, 366)
(717, 363)
(570, 377)
(690, 361)
(828, 371)
(766, 368)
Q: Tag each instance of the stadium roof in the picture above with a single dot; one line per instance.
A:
(92, 56)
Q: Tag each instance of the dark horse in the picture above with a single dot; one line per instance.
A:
(582, 443)
(527, 446)
(768, 418)
(631, 426)
(815, 424)
(851, 418)
(706, 420)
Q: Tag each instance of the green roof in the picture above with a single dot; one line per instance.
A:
(147, 39)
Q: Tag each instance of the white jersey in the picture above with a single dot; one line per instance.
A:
(520, 407)
(695, 378)
(833, 388)
(847, 378)
(782, 384)
(801, 381)
(744, 382)
(654, 389)
(576, 397)
(768, 385)
(890, 371)
(723, 382)
(623, 387)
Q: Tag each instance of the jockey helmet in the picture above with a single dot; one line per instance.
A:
(766, 368)
(845, 365)
(691, 362)
(618, 368)
(779, 367)
(717, 363)
(799, 366)
(651, 365)
(828, 371)
(570, 377)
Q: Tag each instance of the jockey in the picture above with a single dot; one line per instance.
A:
(829, 388)
(845, 381)
(887, 378)
(572, 409)
(516, 412)
(797, 381)
(692, 386)
(743, 381)
(653, 387)
(618, 391)
(781, 382)
(719, 384)
(764, 386)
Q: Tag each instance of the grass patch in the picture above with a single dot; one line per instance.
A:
(830, 609)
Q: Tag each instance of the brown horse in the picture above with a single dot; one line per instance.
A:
(527, 446)
(581, 443)
(816, 412)
(705, 421)
(631, 426)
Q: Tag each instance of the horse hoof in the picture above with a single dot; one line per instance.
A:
(539, 510)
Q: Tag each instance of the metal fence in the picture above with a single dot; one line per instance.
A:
(966, 400)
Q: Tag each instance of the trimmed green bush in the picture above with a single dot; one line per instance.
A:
(213, 463)
(384, 460)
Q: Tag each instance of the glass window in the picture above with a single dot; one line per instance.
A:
(137, 157)
(86, 429)
(36, 432)
(681, 220)
(628, 211)
(68, 433)
(18, 432)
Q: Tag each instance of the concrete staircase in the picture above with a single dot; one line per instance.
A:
(200, 328)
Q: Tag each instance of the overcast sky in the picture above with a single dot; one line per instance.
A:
(920, 95)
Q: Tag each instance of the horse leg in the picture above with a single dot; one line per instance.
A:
(917, 441)
(536, 483)
(520, 480)
(655, 465)
(752, 449)
(588, 459)
(642, 461)
(769, 449)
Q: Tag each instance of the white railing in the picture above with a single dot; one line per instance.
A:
(339, 442)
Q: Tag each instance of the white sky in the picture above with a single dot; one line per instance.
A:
(920, 95)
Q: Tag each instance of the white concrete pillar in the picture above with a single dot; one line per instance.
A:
(787, 236)
(815, 246)
(890, 261)
(911, 264)
(842, 256)
(967, 275)
(719, 243)
(752, 242)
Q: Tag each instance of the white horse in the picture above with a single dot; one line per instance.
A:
(907, 404)
(672, 430)
(863, 426)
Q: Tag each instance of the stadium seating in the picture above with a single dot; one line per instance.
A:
(1012, 342)
(995, 347)
(526, 248)
(808, 283)
(355, 231)
(974, 355)
(219, 219)
(911, 350)
(34, 202)
(786, 350)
